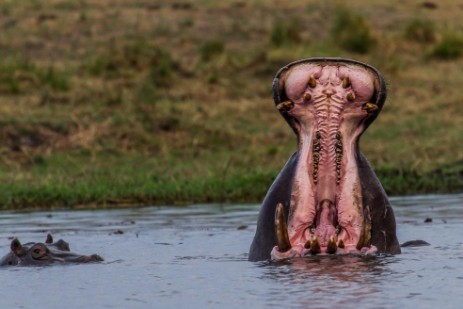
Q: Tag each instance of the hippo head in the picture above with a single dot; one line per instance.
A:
(44, 253)
(326, 199)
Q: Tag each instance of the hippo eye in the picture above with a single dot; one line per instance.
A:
(38, 252)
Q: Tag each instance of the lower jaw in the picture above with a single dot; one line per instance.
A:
(326, 213)
(323, 236)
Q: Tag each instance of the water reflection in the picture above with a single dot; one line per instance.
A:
(326, 281)
(197, 257)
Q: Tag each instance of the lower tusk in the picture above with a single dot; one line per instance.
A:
(315, 247)
(365, 236)
(307, 244)
(331, 247)
(281, 229)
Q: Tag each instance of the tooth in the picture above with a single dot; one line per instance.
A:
(331, 247)
(315, 247)
(341, 244)
(370, 107)
(345, 82)
(312, 81)
(365, 235)
(307, 97)
(285, 106)
(351, 96)
(281, 229)
(307, 244)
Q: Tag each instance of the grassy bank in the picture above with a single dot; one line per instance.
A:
(115, 102)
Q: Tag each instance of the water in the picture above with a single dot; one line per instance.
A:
(196, 257)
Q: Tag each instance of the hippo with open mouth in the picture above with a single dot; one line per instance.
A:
(37, 254)
(327, 199)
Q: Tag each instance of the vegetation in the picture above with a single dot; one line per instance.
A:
(450, 47)
(352, 32)
(422, 31)
(135, 102)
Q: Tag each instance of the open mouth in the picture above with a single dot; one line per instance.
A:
(329, 104)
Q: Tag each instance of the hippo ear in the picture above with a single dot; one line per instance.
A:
(62, 245)
(49, 239)
(16, 247)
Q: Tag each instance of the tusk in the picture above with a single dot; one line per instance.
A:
(345, 82)
(307, 244)
(351, 96)
(285, 106)
(307, 97)
(315, 248)
(331, 247)
(281, 229)
(312, 81)
(370, 107)
(365, 236)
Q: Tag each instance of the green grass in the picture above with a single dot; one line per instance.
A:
(211, 49)
(450, 47)
(152, 104)
(64, 182)
(285, 32)
(72, 182)
(422, 31)
(352, 32)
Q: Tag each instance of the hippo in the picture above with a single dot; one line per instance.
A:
(37, 254)
(326, 199)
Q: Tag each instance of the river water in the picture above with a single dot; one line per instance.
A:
(196, 257)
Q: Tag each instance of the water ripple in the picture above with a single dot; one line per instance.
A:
(196, 256)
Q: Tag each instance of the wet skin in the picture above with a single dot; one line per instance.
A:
(37, 254)
(327, 199)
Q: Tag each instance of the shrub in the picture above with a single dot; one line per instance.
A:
(16, 73)
(210, 49)
(57, 80)
(352, 32)
(139, 56)
(420, 31)
(285, 32)
(450, 47)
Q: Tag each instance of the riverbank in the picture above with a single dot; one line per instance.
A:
(140, 182)
(108, 103)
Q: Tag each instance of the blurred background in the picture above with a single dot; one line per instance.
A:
(114, 102)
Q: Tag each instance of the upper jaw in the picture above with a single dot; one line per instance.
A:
(279, 83)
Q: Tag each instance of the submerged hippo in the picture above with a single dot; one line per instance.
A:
(44, 254)
(327, 199)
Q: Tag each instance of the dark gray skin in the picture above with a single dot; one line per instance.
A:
(265, 238)
(415, 243)
(42, 254)
(383, 226)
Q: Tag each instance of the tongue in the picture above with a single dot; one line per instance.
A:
(325, 222)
